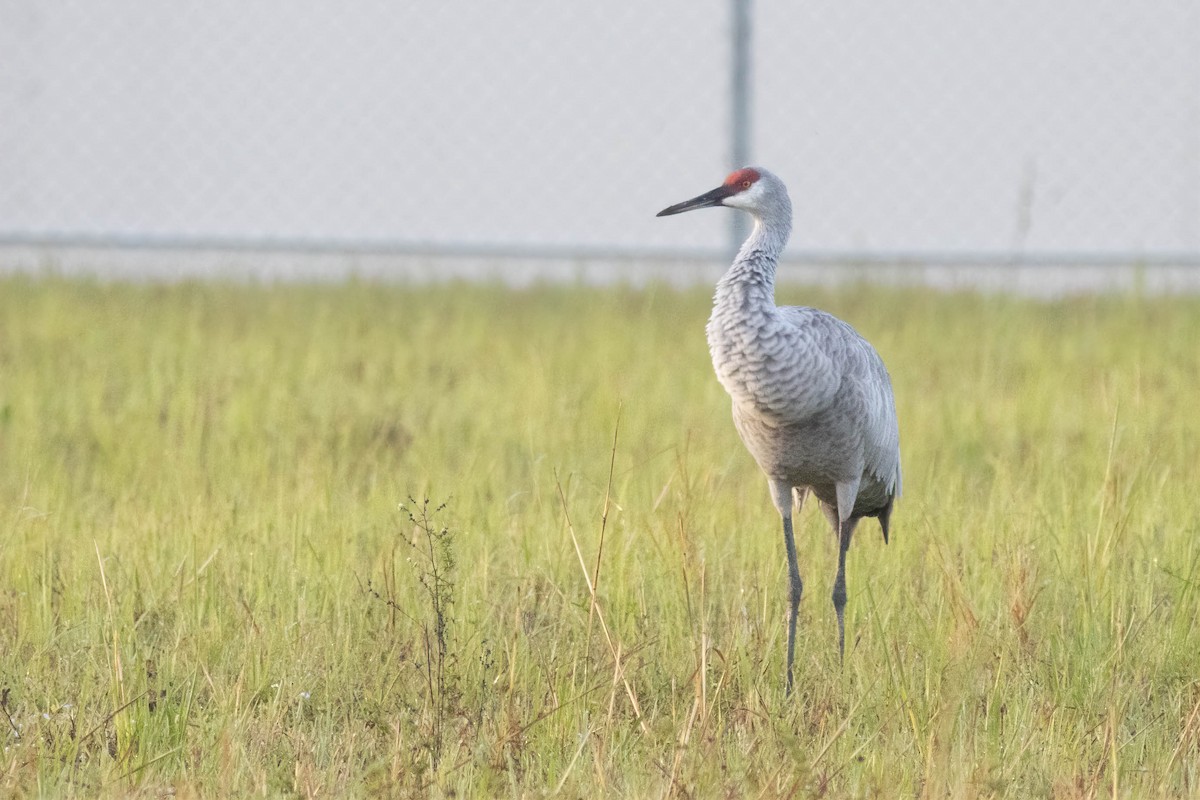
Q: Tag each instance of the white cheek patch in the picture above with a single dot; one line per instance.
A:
(745, 199)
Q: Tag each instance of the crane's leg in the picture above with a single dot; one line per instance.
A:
(847, 494)
(846, 529)
(781, 493)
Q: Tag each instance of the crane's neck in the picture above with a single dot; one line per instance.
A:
(748, 286)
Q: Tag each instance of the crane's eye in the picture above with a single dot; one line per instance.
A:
(745, 184)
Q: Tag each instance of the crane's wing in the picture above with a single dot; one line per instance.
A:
(866, 384)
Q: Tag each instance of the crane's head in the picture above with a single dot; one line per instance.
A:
(751, 188)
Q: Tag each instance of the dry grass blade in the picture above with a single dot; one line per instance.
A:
(595, 605)
(1189, 732)
(612, 462)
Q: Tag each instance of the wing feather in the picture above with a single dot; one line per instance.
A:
(869, 387)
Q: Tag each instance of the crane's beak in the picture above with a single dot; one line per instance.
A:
(714, 198)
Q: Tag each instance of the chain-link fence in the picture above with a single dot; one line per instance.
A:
(974, 130)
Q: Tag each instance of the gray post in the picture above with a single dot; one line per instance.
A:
(739, 108)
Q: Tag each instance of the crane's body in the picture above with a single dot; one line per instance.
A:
(812, 400)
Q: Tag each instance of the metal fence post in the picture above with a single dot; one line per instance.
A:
(739, 107)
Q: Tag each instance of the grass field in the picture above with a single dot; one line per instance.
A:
(219, 575)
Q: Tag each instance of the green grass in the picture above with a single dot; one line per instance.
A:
(208, 584)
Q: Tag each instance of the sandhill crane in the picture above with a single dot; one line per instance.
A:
(812, 400)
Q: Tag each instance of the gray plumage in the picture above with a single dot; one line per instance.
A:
(812, 400)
